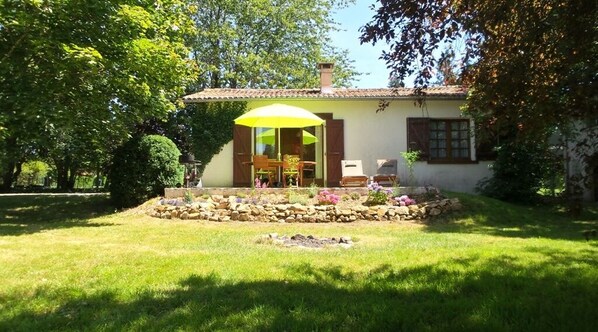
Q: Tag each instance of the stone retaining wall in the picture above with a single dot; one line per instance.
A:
(180, 192)
(220, 208)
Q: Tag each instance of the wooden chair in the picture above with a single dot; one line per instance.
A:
(291, 170)
(386, 173)
(352, 174)
(263, 169)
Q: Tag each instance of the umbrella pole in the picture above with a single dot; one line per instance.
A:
(252, 153)
(279, 143)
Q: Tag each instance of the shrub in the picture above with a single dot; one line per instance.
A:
(355, 196)
(188, 198)
(405, 200)
(410, 158)
(327, 198)
(519, 171)
(312, 190)
(297, 197)
(33, 173)
(377, 195)
(142, 168)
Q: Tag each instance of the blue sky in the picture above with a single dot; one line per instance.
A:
(366, 56)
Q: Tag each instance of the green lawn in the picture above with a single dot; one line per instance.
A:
(72, 263)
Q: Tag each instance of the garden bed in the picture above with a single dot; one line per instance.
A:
(301, 206)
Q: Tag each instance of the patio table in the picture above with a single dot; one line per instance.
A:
(278, 164)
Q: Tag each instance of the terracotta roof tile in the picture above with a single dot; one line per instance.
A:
(444, 92)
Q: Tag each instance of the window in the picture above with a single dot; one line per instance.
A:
(449, 139)
(441, 140)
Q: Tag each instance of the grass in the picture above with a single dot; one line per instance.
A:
(72, 263)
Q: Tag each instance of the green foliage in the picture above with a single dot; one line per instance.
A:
(265, 43)
(142, 168)
(296, 197)
(77, 75)
(188, 197)
(355, 196)
(313, 190)
(520, 171)
(201, 129)
(377, 195)
(410, 158)
(33, 173)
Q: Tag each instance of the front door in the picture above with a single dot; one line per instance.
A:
(241, 156)
(335, 151)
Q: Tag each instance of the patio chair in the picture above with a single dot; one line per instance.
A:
(263, 169)
(352, 174)
(291, 170)
(386, 173)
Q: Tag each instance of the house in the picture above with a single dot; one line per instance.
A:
(354, 129)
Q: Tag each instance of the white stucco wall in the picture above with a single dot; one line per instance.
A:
(369, 136)
(219, 171)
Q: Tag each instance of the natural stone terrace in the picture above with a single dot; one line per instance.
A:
(276, 205)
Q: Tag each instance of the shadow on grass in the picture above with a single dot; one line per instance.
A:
(500, 293)
(29, 214)
(483, 215)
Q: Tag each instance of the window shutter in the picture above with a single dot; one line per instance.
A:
(418, 136)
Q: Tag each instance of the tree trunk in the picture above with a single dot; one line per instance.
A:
(11, 173)
(12, 163)
(66, 172)
(62, 172)
(72, 176)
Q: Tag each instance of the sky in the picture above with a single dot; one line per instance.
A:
(366, 56)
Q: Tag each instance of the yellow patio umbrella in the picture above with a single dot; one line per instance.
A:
(267, 137)
(279, 116)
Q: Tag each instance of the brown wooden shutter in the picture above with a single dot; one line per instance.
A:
(241, 156)
(418, 136)
(335, 151)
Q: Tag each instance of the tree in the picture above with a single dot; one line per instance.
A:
(523, 54)
(530, 65)
(83, 68)
(265, 43)
(448, 72)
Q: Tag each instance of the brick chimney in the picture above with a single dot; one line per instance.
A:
(326, 76)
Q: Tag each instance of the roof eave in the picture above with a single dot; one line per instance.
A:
(434, 97)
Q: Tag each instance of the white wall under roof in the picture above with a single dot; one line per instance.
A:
(370, 136)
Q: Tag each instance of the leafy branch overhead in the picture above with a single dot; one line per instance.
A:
(530, 65)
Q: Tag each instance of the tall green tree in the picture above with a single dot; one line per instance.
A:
(530, 65)
(266, 43)
(85, 68)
